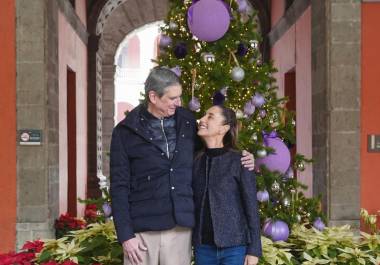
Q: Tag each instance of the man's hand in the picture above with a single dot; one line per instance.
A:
(251, 260)
(132, 249)
(248, 161)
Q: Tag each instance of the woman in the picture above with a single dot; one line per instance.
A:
(227, 228)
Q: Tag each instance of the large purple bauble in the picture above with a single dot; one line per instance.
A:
(277, 161)
(279, 231)
(208, 20)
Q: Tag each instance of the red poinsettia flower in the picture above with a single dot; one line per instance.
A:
(50, 262)
(69, 262)
(33, 246)
(22, 258)
(90, 212)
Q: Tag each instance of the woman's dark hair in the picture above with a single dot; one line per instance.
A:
(230, 138)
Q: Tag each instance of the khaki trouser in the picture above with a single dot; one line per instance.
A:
(169, 247)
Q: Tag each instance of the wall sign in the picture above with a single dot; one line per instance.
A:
(373, 145)
(30, 137)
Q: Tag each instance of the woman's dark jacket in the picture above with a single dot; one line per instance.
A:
(232, 200)
(149, 191)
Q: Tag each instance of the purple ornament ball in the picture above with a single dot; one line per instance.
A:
(249, 108)
(242, 49)
(289, 173)
(218, 98)
(267, 227)
(258, 100)
(318, 224)
(279, 231)
(262, 113)
(176, 70)
(107, 209)
(180, 50)
(242, 5)
(262, 196)
(208, 20)
(277, 161)
(165, 41)
(194, 104)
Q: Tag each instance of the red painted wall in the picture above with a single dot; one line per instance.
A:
(370, 106)
(7, 126)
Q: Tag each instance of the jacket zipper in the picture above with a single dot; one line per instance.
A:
(166, 139)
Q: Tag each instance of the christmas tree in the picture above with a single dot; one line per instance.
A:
(214, 46)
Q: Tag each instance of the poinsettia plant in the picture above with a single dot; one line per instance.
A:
(66, 223)
(26, 256)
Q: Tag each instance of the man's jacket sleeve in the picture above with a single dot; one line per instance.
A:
(120, 187)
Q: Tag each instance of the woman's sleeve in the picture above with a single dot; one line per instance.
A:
(248, 190)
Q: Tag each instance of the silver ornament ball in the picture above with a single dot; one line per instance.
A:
(237, 74)
(286, 202)
(298, 218)
(275, 186)
(173, 26)
(301, 166)
(254, 44)
(208, 57)
(261, 153)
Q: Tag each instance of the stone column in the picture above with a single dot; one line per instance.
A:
(93, 190)
(336, 109)
(37, 108)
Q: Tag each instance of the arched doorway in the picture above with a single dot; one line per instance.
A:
(133, 62)
(109, 22)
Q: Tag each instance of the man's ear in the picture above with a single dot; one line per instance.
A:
(152, 96)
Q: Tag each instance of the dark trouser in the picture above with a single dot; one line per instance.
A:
(212, 255)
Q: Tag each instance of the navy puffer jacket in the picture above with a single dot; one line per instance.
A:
(150, 192)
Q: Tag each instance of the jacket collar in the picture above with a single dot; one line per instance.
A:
(183, 121)
(133, 118)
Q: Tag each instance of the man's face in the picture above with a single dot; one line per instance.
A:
(166, 105)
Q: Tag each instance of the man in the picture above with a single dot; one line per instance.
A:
(151, 175)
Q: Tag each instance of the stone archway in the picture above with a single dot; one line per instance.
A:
(115, 20)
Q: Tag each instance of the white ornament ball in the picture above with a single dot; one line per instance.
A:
(237, 74)
(261, 153)
(239, 114)
(173, 26)
(254, 44)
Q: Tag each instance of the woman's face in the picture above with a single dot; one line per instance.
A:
(212, 124)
